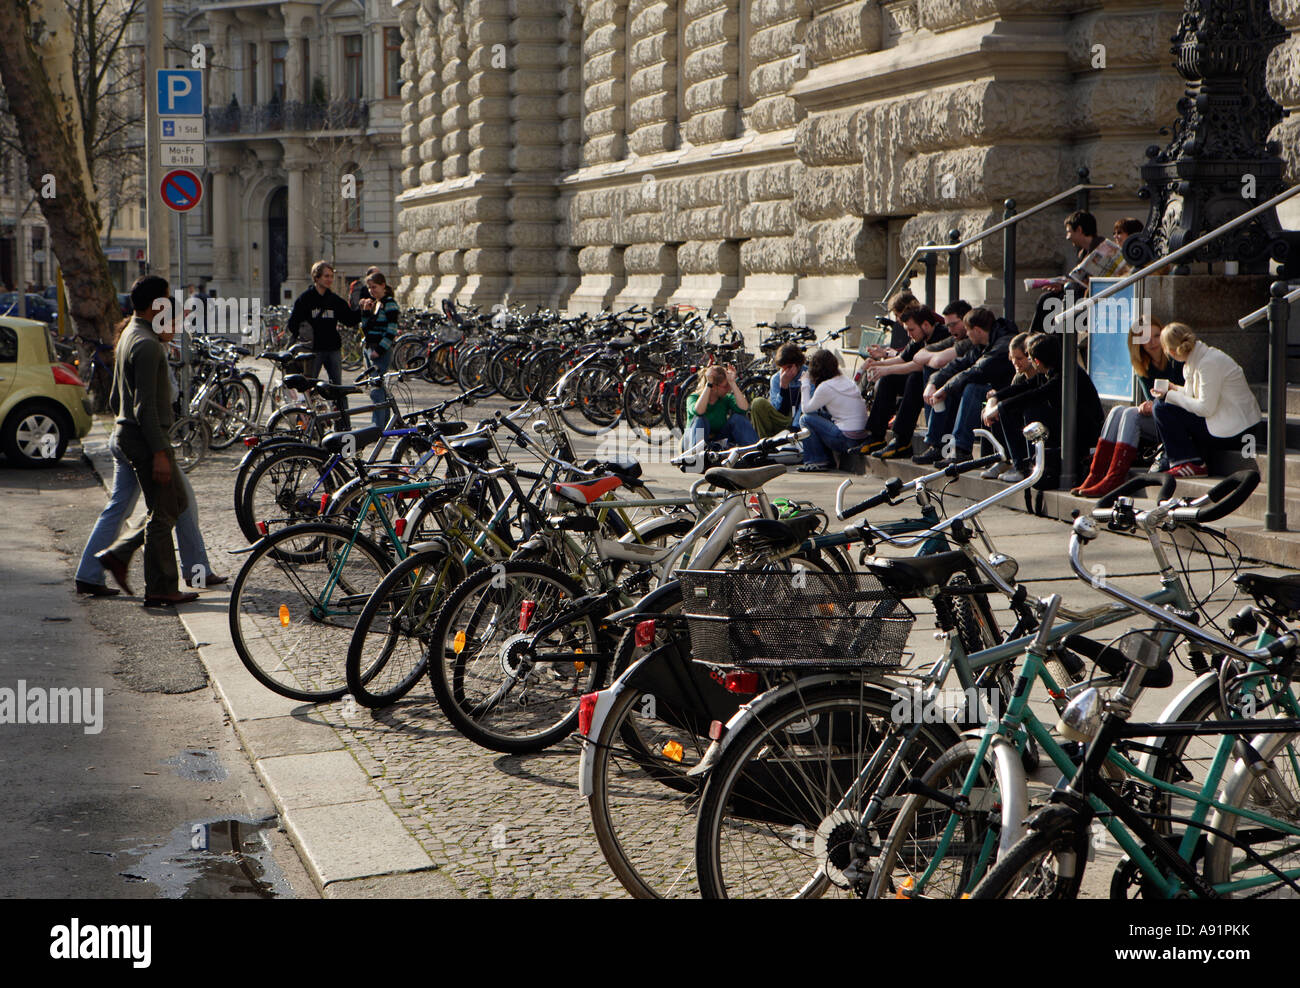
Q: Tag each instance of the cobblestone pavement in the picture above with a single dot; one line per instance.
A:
(507, 826)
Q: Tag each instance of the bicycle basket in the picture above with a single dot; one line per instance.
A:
(794, 619)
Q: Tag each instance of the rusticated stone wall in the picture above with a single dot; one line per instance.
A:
(780, 157)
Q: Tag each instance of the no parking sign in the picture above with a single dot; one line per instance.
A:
(181, 190)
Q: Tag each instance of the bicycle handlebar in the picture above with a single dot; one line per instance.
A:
(1223, 499)
(1166, 482)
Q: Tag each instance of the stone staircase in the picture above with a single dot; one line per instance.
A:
(1245, 526)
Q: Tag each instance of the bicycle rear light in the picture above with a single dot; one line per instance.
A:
(526, 611)
(741, 682)
(586, 712)
(399, 527)
(284, 615)
(324, 502)
(262, 527)
(644, 635)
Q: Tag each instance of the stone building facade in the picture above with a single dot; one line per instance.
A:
(777, 157)
(300, 96)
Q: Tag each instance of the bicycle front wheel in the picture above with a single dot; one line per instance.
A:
(1044, 864)
(501, 685)
(780, 816)
(294, 607)
(389, 649)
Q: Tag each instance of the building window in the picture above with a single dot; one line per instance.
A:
(251, 82)
(352, 219)
(392, 62)
(352, 66)
(306, 69)
(279, 51)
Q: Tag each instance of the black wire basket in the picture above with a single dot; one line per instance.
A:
(794, 619)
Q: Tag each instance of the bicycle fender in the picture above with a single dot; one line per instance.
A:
(587, 755)
(1174, 711)
(651, 603)
(1013, 787)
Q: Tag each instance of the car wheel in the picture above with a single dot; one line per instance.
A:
(36, 434)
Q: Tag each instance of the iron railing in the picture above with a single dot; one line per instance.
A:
(929, 253)
(261, 118)
(1277, 309)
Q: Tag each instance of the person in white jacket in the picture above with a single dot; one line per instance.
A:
(1214, 410)
(833, 411)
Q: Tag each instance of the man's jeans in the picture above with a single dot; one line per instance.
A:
(960, 418)
(332, 363)
(738, 431)
(825, 438)
(121, 502)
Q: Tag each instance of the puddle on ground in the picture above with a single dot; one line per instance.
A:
(211, 859)
(197, 765)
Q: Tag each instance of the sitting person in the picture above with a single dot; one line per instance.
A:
(780, 409)
(1214, 411)
(900, 381)
(1025, 372)
(1081, 232)
(958, 391)
(1042, 402)
(1125, 228)
(898, 304)
(716, 412)
(1127, 425)
(833, 411)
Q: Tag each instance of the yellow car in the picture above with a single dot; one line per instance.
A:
(43, 404)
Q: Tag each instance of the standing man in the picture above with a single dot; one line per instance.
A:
(142, 400)
(321, 309)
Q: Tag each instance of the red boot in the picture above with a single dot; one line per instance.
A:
(1117, 474)
(1100, 465)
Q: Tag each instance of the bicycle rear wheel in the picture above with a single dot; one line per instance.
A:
(490, 683)
(781, 811)
(294, 607)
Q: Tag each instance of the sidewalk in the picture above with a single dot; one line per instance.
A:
(396, 803)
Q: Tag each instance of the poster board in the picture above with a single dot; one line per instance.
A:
(1110, 323)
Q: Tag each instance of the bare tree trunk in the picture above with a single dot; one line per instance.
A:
(36, 67)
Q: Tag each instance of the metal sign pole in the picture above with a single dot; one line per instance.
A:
(180, 316)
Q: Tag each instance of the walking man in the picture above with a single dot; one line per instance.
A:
(322, 310)
(142, 400)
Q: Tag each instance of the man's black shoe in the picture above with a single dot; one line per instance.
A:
(896, 451)
(926, 458)
(960, 456)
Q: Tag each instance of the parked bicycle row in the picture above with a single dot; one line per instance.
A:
(752, 716)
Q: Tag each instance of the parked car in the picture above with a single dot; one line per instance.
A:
(43, 404)
(38, 307)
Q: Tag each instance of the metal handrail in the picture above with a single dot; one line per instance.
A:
(1161, 262)
(1262, 312)
(906, 272)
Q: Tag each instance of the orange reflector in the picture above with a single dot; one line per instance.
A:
(458, 643)
(284, 615)
(644, 635)
(586, 711)
(673, 751)
(741, 682)
(579, 666)
(826, 610)
(439, 449)
(905, 890)
(964, 895)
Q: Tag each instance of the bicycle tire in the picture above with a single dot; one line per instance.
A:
(238, 416)
(288, 627)
(285, 488)
(743, 795)
(257, 390)
(643, 400)
(388, 653)
(482, 698)
(410, 353)
(1044, 864)
(472, 369)
(190, 438)
(350, 355)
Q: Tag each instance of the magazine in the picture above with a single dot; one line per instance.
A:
(1106, 261)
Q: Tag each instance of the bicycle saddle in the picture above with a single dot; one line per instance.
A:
(1282, 592)
(1115, 663)
(587, 491)
(912, 576)
(361, 438)
(474, 449)
(449, 428)
(778, 535)
(279, 356)
(332, 392)
(625, 469)
(300, 382)
(742, 480)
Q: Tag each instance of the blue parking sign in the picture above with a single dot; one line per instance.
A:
(180, 92)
